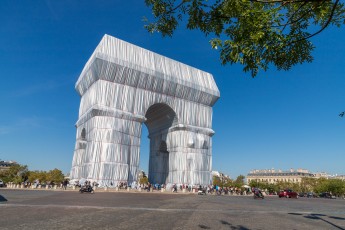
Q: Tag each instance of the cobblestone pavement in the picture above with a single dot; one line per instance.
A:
(48, 209)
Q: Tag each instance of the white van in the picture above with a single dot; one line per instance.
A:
(2, 183)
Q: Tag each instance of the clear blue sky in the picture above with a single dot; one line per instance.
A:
(278, 120)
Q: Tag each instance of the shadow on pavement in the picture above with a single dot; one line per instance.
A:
(238, 227)
(315, 216)
(337, 218)
(296, 214)
(2, 198)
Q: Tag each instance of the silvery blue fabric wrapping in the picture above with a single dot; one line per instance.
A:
(123, 86)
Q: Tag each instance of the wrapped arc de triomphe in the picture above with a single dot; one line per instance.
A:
(123, 86)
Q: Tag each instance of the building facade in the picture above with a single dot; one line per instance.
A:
(5, 165)
(272, 176)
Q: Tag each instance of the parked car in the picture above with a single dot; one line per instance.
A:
(302, 194)
(2, 184)
(311, 195)
(326, 195)
(288, 193)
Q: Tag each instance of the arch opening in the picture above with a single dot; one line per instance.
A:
(83, 134)
(160, 117)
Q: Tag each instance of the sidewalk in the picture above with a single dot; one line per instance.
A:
(117, 190)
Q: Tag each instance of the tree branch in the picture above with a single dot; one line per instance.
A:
(302, 16)
(291, 22)
(323, 27)
(178, 6)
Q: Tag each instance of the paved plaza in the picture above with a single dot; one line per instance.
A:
(52, 209)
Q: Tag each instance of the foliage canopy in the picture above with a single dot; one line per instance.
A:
(19, 173)
(16, 173)
(335, 186)
(254, 33)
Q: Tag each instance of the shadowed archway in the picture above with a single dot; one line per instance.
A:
(160, 117)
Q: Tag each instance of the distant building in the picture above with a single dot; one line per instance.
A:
(322, 175)
(341, 177)
(141, 174)
(224, 178)
(215, 173)
(273, 176)
(5, 165)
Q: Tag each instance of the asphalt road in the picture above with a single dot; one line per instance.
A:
(44, 209)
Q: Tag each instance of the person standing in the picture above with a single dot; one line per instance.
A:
(64, 184)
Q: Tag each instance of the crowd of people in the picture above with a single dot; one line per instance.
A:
(210, 189)
(149, 187)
